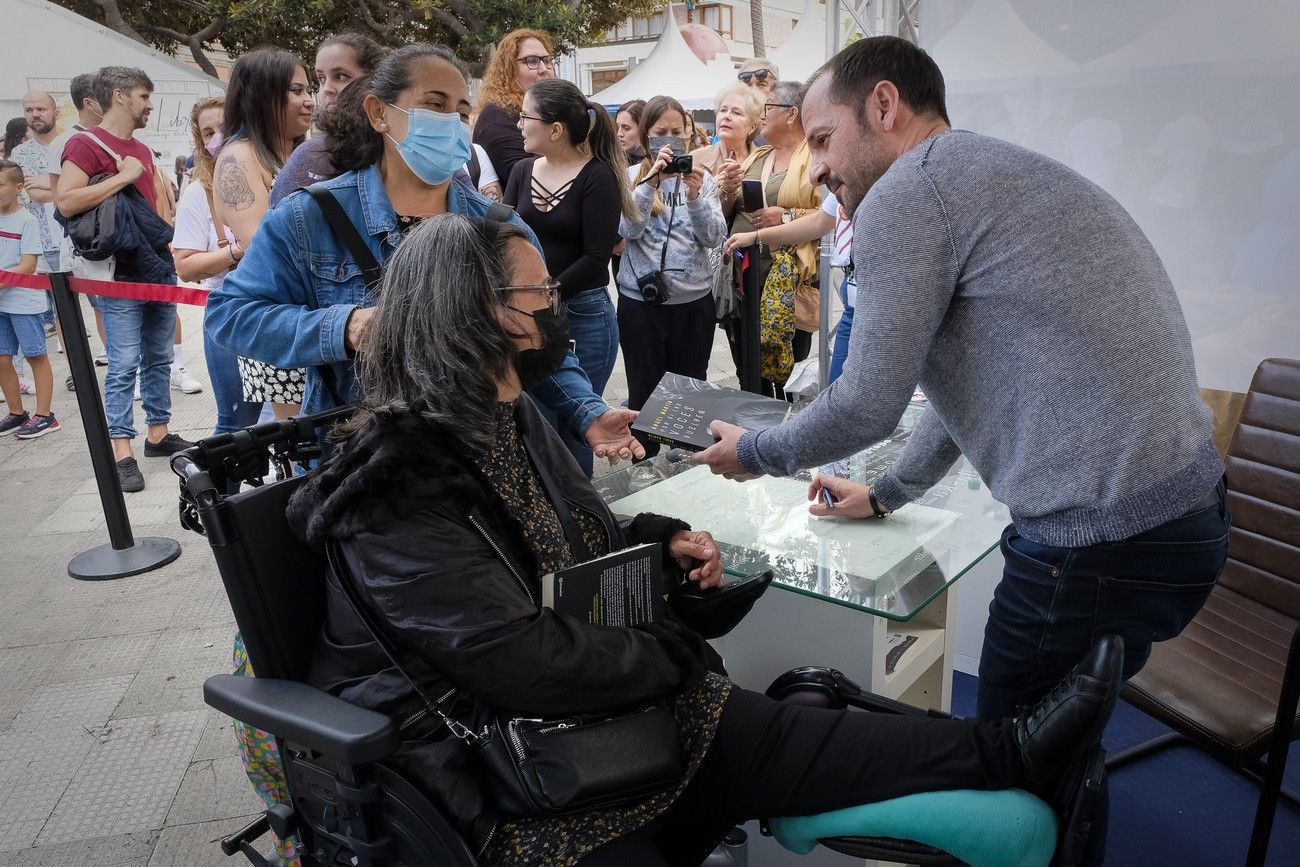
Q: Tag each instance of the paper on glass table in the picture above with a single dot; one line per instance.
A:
(770, 516)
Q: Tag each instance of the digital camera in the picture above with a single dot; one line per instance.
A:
(653, 287)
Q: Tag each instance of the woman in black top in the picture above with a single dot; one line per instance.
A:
(523, 58)
(571, 195)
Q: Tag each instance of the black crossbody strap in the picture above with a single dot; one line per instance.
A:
(337, 562)
(346, 231)
(500, 212)
(553, 493)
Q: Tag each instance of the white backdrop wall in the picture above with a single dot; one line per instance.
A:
(1187, 111)
(52, 45)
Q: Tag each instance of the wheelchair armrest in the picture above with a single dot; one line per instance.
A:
(305, 715)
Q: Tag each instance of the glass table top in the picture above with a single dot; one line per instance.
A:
(893, 568)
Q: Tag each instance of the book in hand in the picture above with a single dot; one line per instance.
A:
(680, 408)
(624, 588)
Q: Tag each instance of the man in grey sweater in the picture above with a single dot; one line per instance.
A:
(1052, 348)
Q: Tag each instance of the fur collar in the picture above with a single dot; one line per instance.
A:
(398, 463)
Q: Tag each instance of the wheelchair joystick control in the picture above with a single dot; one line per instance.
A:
(282, 819)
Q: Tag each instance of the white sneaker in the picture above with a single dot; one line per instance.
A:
(182, 381)
(25, 386)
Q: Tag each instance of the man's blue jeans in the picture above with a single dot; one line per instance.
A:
(1053, 602)
(233, 412)
(139, 337)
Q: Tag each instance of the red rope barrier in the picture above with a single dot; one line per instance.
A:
(113, 288)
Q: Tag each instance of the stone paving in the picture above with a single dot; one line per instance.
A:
(108, 756)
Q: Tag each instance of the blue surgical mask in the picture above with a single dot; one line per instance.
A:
(435, 145)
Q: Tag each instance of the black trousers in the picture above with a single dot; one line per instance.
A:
(771, 759)
(663, 338)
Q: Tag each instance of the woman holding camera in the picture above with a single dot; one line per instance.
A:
(665, 281)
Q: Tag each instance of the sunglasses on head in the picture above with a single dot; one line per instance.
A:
(759, 74)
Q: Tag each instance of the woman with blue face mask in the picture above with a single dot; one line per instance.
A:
(300, 297)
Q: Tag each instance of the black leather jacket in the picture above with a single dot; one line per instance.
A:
(449, 573)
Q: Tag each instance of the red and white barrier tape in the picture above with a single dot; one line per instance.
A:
(112, 288)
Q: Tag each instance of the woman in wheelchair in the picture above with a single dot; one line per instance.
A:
(435, 502)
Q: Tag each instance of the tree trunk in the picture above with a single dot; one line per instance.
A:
(756, 24)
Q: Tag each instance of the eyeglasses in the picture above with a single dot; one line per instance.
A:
(760, 74)
(537, 61)
(551, 288)
(532, 117)
(768, 105)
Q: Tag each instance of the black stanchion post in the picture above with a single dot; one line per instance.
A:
(124, 555)
(751, 364)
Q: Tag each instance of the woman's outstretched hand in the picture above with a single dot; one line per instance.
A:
(698, 555)
(611, 437)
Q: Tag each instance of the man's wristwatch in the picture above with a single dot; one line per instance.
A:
(876, 508)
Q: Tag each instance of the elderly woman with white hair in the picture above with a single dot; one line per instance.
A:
(738, 111)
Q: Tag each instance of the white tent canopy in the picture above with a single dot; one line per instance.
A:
(805, 49)
(671, 69)
(53, 45)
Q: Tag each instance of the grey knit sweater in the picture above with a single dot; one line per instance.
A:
(1045, 332)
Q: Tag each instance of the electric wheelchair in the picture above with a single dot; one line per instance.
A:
(346, 806)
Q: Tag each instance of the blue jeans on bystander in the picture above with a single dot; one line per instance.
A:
(139, 341)
(233, 412)
(593, 327)
(840, 352)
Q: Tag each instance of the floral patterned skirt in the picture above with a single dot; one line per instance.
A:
(261, 757)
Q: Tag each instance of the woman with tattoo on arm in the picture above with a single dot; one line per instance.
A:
(269, 109)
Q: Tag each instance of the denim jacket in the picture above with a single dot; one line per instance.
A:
(289, 300)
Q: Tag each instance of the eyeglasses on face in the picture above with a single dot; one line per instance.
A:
(551, 289)
(526, 116)
(537, 61)
(760, 74)
(768, 105)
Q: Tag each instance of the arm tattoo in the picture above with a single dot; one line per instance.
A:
(232, 184)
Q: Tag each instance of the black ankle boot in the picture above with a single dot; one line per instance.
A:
(1068, 721)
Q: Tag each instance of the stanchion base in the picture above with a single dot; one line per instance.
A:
(106, 562)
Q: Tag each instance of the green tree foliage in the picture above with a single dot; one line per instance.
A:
(471, 27)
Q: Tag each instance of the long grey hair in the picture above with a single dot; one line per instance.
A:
(435, 346)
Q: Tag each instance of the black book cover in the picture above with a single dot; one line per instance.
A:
(624, 588)
(679, 410)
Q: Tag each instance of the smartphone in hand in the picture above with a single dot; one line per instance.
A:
(751, 195)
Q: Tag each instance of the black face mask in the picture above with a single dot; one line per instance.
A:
(535, 365)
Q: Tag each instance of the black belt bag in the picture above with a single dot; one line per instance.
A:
(539, 767)
(579, 764)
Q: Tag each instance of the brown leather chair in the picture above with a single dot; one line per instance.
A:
(1229, 683)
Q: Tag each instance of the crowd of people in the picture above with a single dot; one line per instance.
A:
(379, 239)
(603, 204)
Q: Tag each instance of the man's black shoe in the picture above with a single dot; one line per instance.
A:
(165, 447)
(129, 475)
(1068, 721)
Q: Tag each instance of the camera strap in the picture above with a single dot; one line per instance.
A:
(668, 232)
